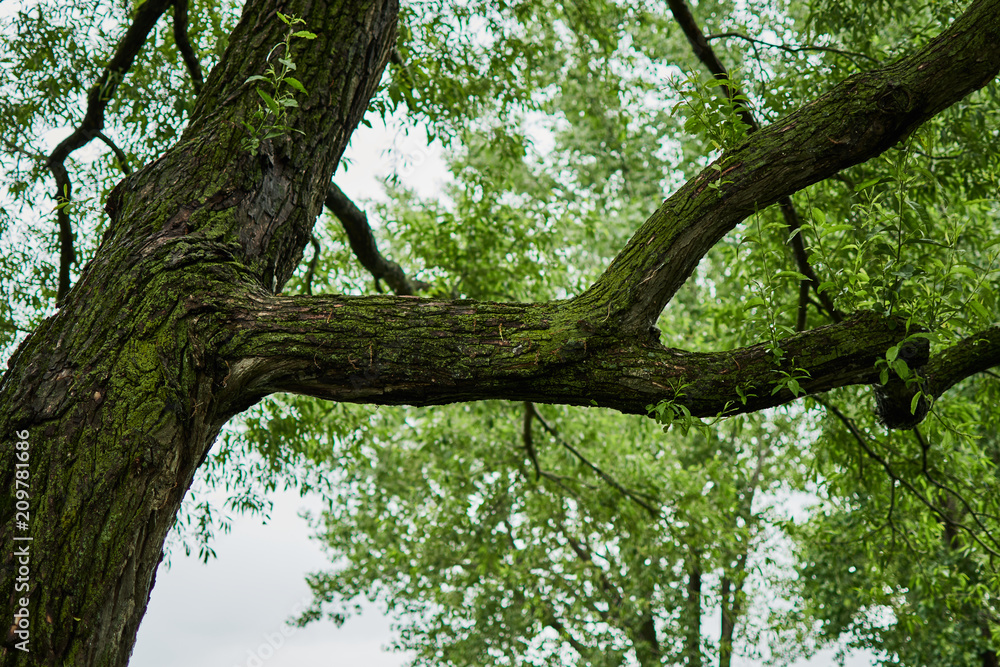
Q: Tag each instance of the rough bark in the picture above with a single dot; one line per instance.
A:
(175, 325)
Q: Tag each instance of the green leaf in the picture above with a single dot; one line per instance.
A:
(269, 101)
(295, 83)
(979, 309)
(823, 287)
(795, 275)
(963, 270)
(304, 34)
(864, 185)
(833, 229)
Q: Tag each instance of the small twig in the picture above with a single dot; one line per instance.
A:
(800, 318)
(925, 448)
(608, 479)
(529, 445)
(792, 49)
(860, 438)
(311, 269)
(794, 225)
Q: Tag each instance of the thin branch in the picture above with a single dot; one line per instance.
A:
(362, 241)
(184, 45)
(582, 552)
(119, 153)
(793, 49)
(553, 622)
(12, 148)
(861, 440)
(803, 309)
(633, 495)
(925, 448)
(98, 97)
(732, 588)
(794, 225)
(704, 53)
(529, 445)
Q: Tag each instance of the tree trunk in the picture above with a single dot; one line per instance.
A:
(692, 613)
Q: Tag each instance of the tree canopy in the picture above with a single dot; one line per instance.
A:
(690, 358)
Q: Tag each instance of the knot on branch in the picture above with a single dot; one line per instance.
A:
(900, 402)
(894, 99)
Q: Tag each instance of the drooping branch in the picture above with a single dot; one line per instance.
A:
(857, 120)
(359, 235)
(184, 45)
(863, 441)
(531, 412)
(119, 153)
(98, 97)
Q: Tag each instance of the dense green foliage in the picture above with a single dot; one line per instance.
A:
(500, 533)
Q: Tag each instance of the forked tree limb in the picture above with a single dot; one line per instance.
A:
(598, 348)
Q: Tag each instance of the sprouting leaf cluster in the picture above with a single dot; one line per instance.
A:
(276, 89)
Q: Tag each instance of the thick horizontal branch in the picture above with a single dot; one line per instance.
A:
(857, 120)
(398, 350)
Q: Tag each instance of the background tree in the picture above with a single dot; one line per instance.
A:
(600, 548)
